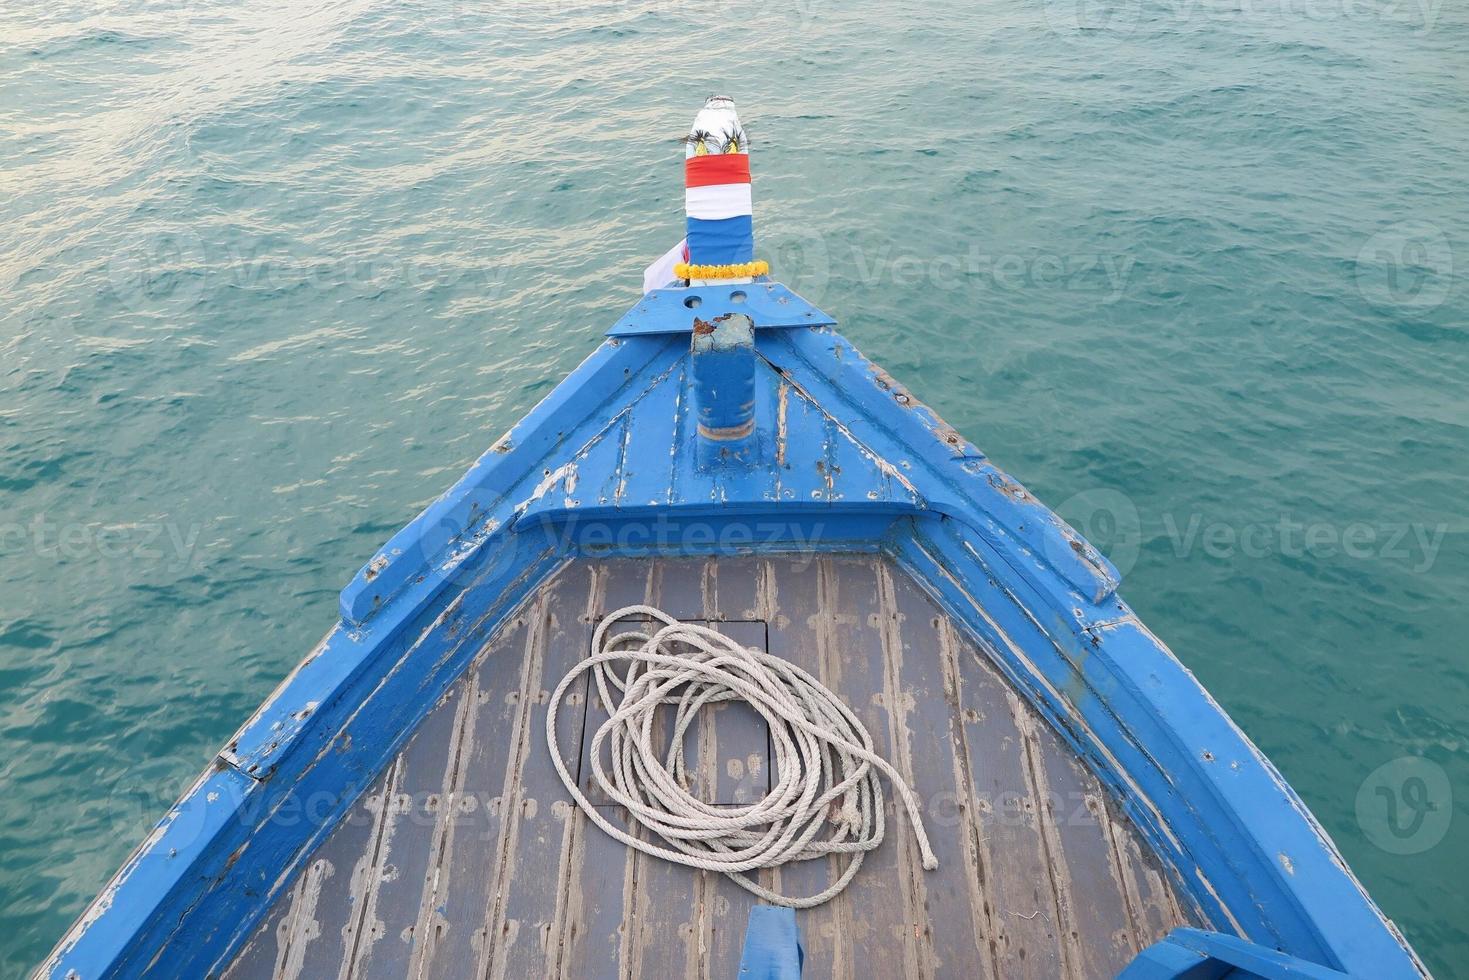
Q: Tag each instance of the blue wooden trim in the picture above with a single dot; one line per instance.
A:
(1194, 954)
(668, 311)
(706, 531)
(174, 860)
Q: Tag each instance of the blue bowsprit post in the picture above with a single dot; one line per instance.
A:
(721, 249)
(723, 356)
(773, 948)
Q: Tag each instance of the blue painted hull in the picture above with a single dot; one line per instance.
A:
(845, 460)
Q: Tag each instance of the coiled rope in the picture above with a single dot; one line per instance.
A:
(827, 799)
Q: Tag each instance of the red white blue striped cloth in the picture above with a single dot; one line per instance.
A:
(717, 186)
(721, 227)
(717, 202)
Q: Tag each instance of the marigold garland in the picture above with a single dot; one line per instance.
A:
(684, 270)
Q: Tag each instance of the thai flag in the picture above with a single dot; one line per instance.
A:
(721, 228)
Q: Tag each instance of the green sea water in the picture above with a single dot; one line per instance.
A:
(273, 274)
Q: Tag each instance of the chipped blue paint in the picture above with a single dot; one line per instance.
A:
(845, 459)
(722, 362)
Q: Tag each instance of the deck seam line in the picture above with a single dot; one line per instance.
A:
(493, 953)
(918, 947)
(827, 592)
(1131, 900)
(556, 937)
(283, 957)
(373, 869)
(1052, 853)
(633, 920)
(444, 823)
(981, 903)
(574, 835)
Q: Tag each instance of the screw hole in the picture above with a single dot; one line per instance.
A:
(692, 302)
(738, 296)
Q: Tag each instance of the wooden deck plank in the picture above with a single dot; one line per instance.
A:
(662, 912)
(736, 601)
(1159, 910)
(1010, 851)
(385, 943)
(459, 886)
(882, 926)
(533, 905)
(465, 858)
(601, 898)
(956, 934)
(796, 634)
(1105, 917)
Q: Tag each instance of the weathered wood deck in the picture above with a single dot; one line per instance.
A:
(465, 858)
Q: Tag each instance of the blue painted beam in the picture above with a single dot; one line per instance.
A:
(672, 310)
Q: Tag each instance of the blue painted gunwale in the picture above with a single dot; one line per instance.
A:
(850, 460)
(1193, 954)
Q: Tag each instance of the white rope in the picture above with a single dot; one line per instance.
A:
(825, 759)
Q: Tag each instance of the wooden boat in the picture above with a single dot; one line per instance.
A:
(393, 808)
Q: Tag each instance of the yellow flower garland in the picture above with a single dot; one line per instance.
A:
(738, 271)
